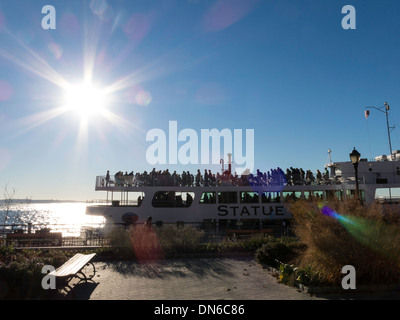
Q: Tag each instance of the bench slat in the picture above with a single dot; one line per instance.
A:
(73, 265)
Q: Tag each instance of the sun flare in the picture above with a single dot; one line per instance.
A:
(86, 99)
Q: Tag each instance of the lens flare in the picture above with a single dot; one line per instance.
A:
(225, 13)
(331, 213)
(69, 25)
(370, 233)
(137, 27)
(272, 181)
(145, 244)
(143, 98)
(98, 6)
(6, 91)
(56, 50)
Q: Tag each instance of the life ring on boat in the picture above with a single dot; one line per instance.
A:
(129, 217)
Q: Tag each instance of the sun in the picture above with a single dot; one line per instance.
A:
(86, 99)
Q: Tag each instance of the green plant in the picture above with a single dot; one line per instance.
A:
(308, 277)
(286, 273)
(277, 250)
(339, 233)
(175, 239)
(6, 251)
(21, 273)
(120, 246)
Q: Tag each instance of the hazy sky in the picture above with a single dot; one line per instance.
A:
(286, 69)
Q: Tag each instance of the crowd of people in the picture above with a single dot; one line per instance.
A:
(292, 176)
(296, 176)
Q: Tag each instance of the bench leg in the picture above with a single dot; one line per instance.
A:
(64, 284)
(86, 273)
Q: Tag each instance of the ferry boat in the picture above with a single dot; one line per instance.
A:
(226, 201)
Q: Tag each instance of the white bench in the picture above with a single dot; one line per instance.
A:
(74, 267)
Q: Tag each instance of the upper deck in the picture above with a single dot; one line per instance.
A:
(381, 172)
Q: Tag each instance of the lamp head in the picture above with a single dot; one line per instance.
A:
(355, 156)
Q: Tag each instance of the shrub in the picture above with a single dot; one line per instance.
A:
(308, 277)
(142, 243)
(138, 242)
(279, 250)
(254, 242)
(21, 272)
(120, 246)
(180, 240)
(340, 233)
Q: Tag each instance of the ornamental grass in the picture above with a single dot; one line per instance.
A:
(339, 233)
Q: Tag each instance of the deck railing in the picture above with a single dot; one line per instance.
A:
(133, 182)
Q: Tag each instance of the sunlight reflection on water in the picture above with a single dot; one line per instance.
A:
(63, 214)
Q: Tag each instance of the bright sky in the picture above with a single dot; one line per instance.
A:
(286, 69)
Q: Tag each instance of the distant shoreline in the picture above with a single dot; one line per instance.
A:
(24, 201)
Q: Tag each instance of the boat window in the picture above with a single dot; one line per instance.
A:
(227, 197)
(163, 199)
(307, 194)
(208, 197)
(140, 198)
(286, 195)
(183, 199)
(381, 181)
(387, 195)
(172, 199)
(311, 195)
(319, 195)
(339, 194)
(351, 193)
(248, 197)
(267, 197)
(334, 194)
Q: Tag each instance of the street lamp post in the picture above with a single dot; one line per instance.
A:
(385, 109)
(355, 159)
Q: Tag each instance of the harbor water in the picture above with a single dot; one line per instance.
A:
(66, 217)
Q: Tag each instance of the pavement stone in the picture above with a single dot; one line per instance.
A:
(186, 279)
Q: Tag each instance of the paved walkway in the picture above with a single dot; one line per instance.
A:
(198, 279)
(186, 279)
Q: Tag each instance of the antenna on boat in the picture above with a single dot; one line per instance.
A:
(230, 163)
(386, 108)
(329, 152)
